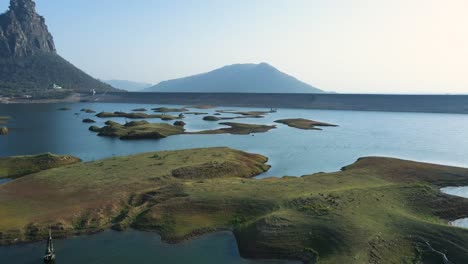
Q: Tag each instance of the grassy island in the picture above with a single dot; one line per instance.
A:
(4, 119)
(137, 115)
(17, 166)
(3, 129)
(377, 210)
(254, 114)
(237, 129)
(302, 123)
(145, 130)
(139, 110)
(88, 111)
(137, 130)
(169, 110)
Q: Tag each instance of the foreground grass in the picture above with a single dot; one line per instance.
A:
(378, 210)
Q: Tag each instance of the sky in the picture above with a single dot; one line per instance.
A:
(345, 46)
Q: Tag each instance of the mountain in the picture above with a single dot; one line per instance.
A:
(128, 85)
(29, 63)
(241, 78)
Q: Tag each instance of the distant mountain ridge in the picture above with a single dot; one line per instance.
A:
(29, 63)
(241, 78)
(130, 86)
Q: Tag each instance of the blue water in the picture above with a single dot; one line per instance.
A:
(2, 181)
(436, 138)
(460, 192)
(38, 128)
(132, 247)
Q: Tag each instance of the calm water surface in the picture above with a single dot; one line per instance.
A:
(437, 138)
(132, 247)
(38, 128)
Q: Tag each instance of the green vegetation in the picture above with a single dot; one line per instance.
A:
(237, 129)
(202, 106)
(17, 166)
(378, 210)
(88, 111)
(88, 120)
(302, 123)
(169, 110)
(137, 130)
(179, 123)
(195, 113)
(64, 109)
(135, 115)
(145, 130)
(255, 114)
(4, 129)
(140, 110)
(35, 76)
(211, 118)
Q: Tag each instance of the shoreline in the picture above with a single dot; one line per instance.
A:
(450, 104)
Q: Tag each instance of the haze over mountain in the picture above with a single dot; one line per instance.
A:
(130, 86)
(241, 78)
(29, 63)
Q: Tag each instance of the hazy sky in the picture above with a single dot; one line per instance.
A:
(348, 46)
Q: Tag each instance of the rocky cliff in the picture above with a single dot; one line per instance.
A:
(23, 32)
(29, 63)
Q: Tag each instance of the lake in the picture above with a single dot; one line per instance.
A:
(132, 247)
(436, 138)
(38, 128)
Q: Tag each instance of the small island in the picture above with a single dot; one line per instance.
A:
(169, 110)
(137, 130)
(237, 129)
(375, 209)
(3, 129)
(140, 110)
(88, 111)
(64, 109)
(88, 120)
(305, 124)
(145, 130)
(247, 114)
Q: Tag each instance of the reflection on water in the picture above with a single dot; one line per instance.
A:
(132, 247)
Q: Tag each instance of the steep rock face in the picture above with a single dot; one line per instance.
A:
(23, 32)
(29, 63)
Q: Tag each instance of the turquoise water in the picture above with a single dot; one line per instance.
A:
(38, 128)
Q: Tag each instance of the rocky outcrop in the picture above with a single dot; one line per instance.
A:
(29, 63)
(23, 32)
